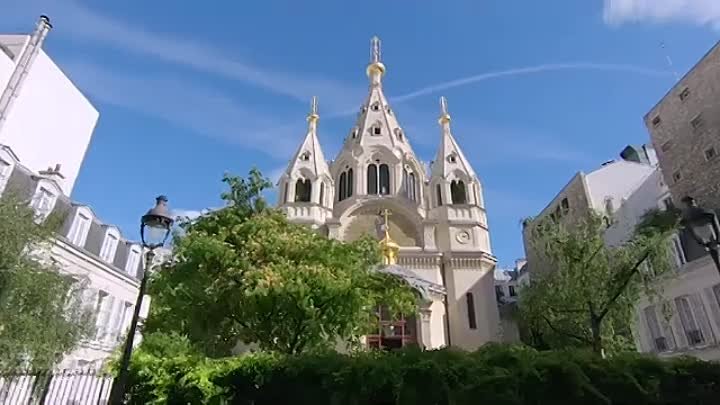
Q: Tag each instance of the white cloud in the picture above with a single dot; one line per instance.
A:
(700, 12)
(84, 24)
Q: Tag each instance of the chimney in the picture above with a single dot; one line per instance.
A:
(53, 174)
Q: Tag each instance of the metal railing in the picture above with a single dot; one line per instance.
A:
(63, 387)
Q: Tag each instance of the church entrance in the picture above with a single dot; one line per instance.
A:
(393, 332)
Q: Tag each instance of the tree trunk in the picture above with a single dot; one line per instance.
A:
(597, 343)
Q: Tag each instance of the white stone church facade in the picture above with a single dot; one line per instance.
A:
(438, 218)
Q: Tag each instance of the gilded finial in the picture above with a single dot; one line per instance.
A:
(375, 56)
(389, 248)
(313, 116)
(444, 115)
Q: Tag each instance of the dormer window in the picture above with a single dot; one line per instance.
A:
(43, 201)
(388, 109)
(377, 130)
(452, 158)
(133, 260)
(109, 247)
(79, 229)
(375, 106)
(399, 134)
(354, 133)
(305, 156)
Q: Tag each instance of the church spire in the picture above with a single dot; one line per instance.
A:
(449, 155)
(313, 116)
(444, 119)
(375, 69)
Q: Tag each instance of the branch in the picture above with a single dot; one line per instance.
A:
(568, 311)
(623, 285)
(568, 334)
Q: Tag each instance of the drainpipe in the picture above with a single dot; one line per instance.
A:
(23, 63)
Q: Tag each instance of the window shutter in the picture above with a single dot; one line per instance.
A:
(702, 317)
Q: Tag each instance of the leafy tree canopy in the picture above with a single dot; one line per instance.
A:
(586, 290)
(41, 315)
(244, 273)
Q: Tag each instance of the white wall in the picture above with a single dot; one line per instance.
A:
(627, 216)
(50, 122)
(617, 180)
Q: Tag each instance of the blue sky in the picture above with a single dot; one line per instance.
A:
(538, 90)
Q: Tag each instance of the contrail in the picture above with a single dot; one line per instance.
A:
(525, 71)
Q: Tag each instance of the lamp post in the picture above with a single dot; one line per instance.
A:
(703, 226)
(155, 228)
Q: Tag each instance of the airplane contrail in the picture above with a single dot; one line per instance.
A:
(525, 71)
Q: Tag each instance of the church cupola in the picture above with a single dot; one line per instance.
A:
(453, 179)
(306, 187)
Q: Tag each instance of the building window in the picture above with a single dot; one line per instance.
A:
(660, 342)
(452, 158)
(458, 192)
(565, 206)
(668, 203)
(303, 188)
(609, 206)
(697, 123)
(666, 146)
(677, 175)
(512, 291)
(499, 294)
(472, 321)
(384, 179)
(690, 324)
(102, 309)
(710, 153)
(321, 200)
(375, 106)
(342, 187)
(399, 134)
(393, 332)
(411, 187)
(678, 251)
(107, 252)
(354, 133)
(377, 130)
(285, 193)
(305, 156)
(43, 201)
(656, 121)
(372, 179)
(438, 192)
(133, 261)
(350, 183)
(684, 94)
(79, 230)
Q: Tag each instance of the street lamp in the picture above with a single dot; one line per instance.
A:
(703, 226)
(155, 228)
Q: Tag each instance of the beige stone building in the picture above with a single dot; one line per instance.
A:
(438, 217)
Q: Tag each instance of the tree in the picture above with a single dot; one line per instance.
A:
(244, 273)
(587, 294)
(41, 316)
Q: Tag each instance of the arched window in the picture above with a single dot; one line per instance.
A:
(411, 187)
(303, 189)
(472, 321)
(438, 191)
(457, 192)
(384, 179)
(372, 179)
(285, 193)
(342, 187)
(350, 183)
(321, 200)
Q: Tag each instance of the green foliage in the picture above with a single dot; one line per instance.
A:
(494, 375)
(245, 273)
(586, 295)
(41, 315)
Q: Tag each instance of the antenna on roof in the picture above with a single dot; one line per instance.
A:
(669, 61)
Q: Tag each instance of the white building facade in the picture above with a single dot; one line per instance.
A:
(44, 118)
(45, 128)
(438, 217)
(686, 319)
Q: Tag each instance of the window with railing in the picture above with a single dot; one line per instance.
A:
(393, 331)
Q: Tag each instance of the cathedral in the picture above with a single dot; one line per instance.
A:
(433, 224)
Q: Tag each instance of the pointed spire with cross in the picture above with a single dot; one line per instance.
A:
(388, 247)
(376, 68)
(444, 114)
(313, 116)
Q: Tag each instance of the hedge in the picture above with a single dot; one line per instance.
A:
(493, 375)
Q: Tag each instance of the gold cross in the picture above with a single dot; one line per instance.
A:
(386, 213)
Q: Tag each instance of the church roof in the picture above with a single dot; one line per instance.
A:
(426, 288)
(309, 155)
(377, 123)
(449, 156)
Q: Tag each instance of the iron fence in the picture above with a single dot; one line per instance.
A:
(64, 387)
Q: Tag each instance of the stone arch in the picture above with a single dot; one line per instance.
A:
(361, 219)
